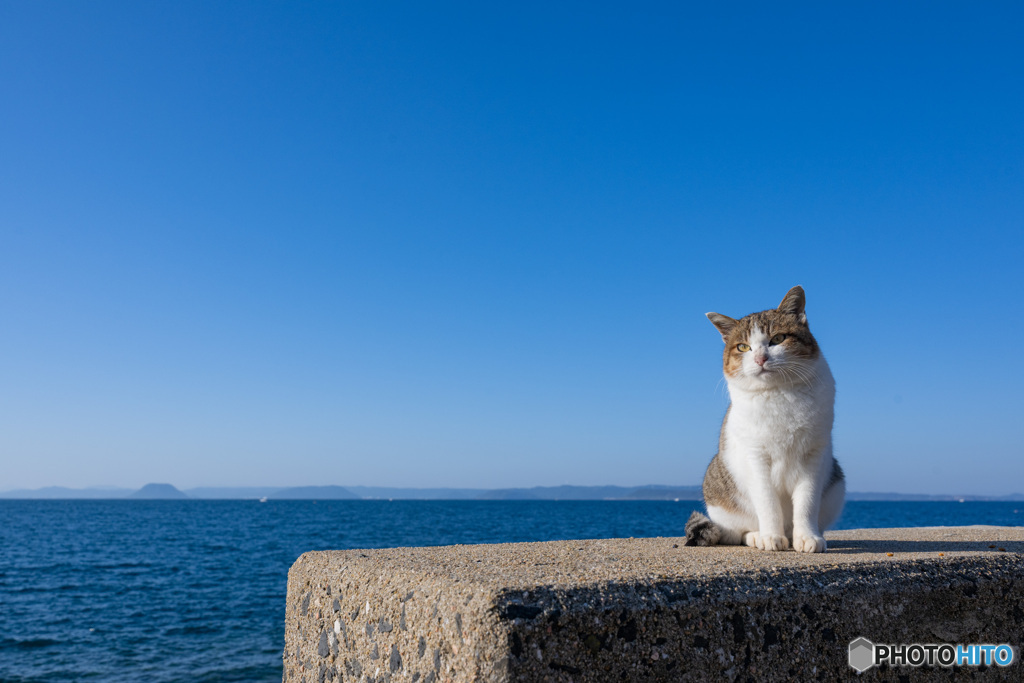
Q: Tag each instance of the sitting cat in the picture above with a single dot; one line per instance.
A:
(773, 483)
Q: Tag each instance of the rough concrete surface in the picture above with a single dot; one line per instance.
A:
(650, 609)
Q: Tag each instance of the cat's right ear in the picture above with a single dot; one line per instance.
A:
(723, 323)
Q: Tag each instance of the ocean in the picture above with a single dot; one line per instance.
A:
(194, 590)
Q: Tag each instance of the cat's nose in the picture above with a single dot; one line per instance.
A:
(761, 359)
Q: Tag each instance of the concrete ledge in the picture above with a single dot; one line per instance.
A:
(651, 609)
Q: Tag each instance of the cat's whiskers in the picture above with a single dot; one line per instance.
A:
(805, 374)
(791, 369)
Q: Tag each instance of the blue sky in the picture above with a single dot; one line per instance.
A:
(457, 245)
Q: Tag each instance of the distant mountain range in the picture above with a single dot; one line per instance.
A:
(853, 495)
(167, 491)
(651, 492)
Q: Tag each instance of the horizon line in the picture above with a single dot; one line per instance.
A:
(308, 492)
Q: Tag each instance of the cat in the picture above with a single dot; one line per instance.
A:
(773, 483)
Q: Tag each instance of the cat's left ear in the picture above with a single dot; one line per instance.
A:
(793, 303)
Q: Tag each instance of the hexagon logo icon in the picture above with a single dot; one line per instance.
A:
(862, 654)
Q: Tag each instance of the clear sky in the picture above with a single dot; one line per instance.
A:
(455, 244)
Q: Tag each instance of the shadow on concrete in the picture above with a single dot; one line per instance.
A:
(855, 546)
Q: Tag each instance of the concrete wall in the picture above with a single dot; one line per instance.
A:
(651, 609)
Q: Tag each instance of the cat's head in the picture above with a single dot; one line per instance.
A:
(770, 348)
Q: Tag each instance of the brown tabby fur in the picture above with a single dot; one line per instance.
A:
(788, 319)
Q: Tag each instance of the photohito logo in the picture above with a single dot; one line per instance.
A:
(864, 654)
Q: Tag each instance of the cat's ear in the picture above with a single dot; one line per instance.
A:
(793, 303)
(723, 323)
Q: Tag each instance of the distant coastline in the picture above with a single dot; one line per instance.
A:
(625, 493)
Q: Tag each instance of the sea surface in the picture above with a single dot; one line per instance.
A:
(195, 590)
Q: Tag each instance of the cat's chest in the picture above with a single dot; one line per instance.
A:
(778, 420)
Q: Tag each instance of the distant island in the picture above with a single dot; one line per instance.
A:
(331, 492)
(158, 492)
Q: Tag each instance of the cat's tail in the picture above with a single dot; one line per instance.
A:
(702, 531)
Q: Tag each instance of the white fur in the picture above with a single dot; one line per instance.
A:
(778, 448)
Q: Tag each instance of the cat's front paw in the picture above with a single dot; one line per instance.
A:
(761, 541)
(806, 542)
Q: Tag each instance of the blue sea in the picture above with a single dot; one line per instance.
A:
(195, 590)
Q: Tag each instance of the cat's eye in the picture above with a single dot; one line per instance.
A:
(777, 339)
(742, 348)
